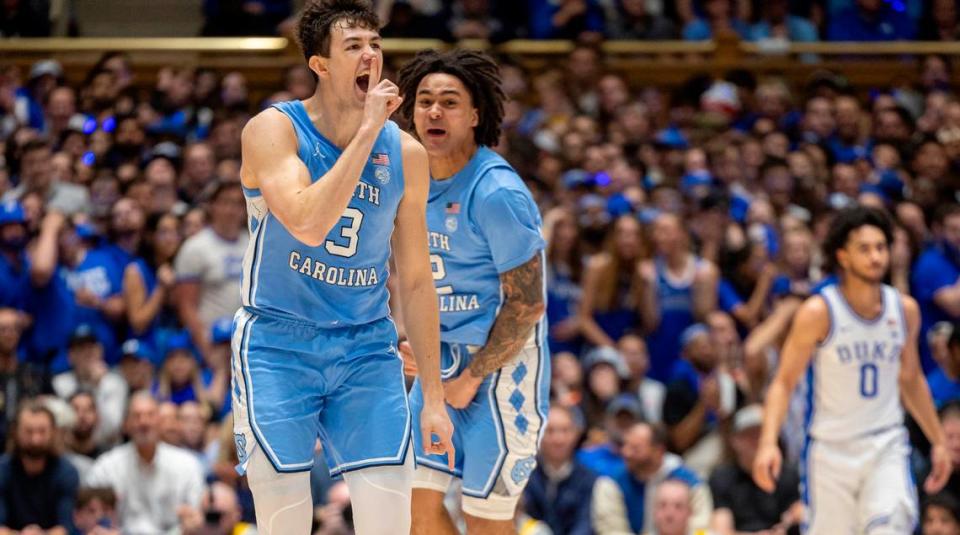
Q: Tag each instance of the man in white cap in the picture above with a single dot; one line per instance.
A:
(742, 506)
(27, 107)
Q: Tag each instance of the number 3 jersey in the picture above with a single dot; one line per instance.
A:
(853, 387)
(342, 282)
(482, 222)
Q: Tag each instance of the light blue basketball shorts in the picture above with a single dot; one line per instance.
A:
(496, 437)
(294, 382)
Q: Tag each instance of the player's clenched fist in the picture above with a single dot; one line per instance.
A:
(382, 100)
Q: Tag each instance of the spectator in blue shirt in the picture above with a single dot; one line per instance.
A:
(221, 334)
(944, 380)
(564, 19)
(935, 278)
(777, 22)
(623, 502)
(564, 273)
(138, 364)
(748, 277)
(849, 143)
(126, 231)
(96, 511)
(795, 262)
(28, 284)
(718, 17)
(604, 457)
(14, 277)
(44, 76)
(95, 278)
(680, 288)
(560, 487)
(148, 281)
(181, 378)
(870, 20)
(608, 308)
(700, 396)
(912, 8)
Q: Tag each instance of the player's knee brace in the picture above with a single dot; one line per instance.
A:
(282, 500)
(380, 496)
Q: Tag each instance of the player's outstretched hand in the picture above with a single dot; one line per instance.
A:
(940, 471)
(409, 360)
(437, 431)
(382, 100)
(766, 467)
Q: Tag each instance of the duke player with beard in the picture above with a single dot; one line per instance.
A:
(487, 254)
(332, 186)
(856, 346)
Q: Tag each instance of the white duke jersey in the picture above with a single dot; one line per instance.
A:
(853, 379)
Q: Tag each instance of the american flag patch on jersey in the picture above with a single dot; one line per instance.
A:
(453, 208)
(380, 158)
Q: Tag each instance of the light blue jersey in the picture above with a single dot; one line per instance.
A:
(343, 281)
(482, 222)
(314, 346)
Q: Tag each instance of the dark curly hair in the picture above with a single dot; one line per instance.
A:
(848, 220)
(319, 16)
(479, 74)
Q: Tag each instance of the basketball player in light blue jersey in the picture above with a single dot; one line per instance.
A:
(332, 186)
(856, 342)
(487, 253)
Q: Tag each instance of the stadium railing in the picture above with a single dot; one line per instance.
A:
(661, 63)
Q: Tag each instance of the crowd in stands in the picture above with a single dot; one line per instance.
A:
(683, 228)
(499, 20)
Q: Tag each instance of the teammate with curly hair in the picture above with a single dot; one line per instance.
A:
(487, 255)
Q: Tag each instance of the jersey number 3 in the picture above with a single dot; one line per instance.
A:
(350, 232)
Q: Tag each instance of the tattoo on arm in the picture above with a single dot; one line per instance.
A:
(522, 308)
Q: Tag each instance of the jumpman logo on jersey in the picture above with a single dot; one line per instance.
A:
(316, 150)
